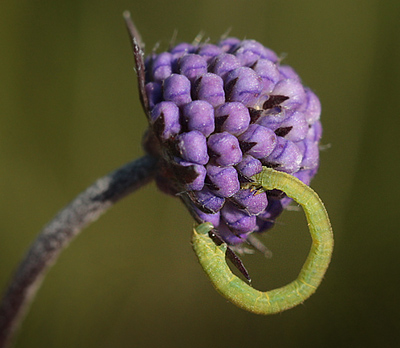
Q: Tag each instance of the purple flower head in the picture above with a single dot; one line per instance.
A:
(217, 114)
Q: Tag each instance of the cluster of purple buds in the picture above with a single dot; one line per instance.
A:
(218, 113)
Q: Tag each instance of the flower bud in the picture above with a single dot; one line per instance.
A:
(217, 114)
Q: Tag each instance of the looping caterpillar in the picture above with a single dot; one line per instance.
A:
(212, 256)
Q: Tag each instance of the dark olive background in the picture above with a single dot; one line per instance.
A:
(70, 113)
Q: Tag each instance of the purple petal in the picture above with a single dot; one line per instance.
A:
(243, 85)
(238, 220)
(165, 119)
(258, 141)
(198, 183)
(254, 202)
(294, 90)
(249, 166)
(286, 157)
(225, 149)
(232, 117)
(229, 43)
(161, 67)
(305, 175)
(223, 181)
(183, 47)
(179, 51)
(313, 108)
(193, 147)
(230, 237)
(224, 64)
(310, 152)
(209, 51)
(315, 132)
(177, 89)
(249, 51)
(210, 87)
(192, 66)
(287, 72)
(213, 218)
(290, 122)
(154, 93)
(207, 200)
(273, 210)
(199, 115)
(269, 74)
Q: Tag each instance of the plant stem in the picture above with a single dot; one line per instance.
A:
(57, 234)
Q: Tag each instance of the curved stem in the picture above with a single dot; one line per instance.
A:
(57, 234)
(212, 256)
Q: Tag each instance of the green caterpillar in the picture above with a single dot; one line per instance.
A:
(212, 257)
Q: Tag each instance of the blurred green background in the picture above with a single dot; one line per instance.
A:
(69, 113)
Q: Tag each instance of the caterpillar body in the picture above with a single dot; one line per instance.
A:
(212, 257)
